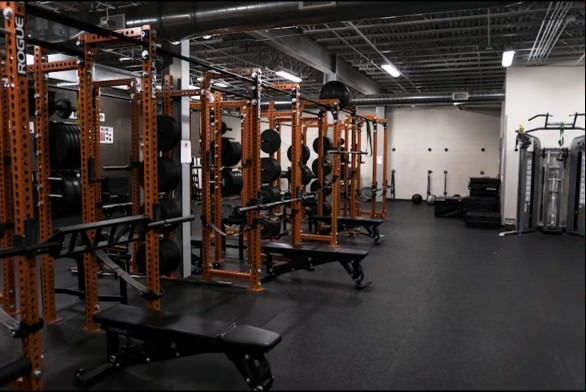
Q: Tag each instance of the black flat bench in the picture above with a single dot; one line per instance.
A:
(164, 335)
(347, 222)
(305, 257)
(310, 254)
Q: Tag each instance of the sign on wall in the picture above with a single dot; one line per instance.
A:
(106, 135)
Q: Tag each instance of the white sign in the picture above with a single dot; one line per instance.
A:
(185, 151)
(106, 135)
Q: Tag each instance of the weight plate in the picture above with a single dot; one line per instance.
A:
(305, 153)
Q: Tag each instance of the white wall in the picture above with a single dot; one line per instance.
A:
(462, 132)
(557, 89)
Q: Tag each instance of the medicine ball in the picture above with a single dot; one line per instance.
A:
(305, 153)
(336, 90)
(169, 257)
(416, 198)
(168, 132)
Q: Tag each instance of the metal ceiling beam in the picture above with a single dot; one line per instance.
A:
(316, 56)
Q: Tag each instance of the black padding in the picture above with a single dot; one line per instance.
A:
(305, 153)
(270, 141)
(315, 249)
(226, 335)
(168, 132)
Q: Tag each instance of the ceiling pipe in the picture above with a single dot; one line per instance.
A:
(178, 20)
(425, 99)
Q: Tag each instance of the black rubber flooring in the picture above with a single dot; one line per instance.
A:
(449, 308)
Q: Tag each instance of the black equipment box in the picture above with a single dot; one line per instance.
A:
(448, 207)
(487, 204)
(484, 186)
(487, 220)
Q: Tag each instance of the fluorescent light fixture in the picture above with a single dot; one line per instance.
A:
(392, 70)
(207, 36)
(508, 58)
(289, 76)
(192, 87)
(121, 59)
(221, 84)
(174, 42)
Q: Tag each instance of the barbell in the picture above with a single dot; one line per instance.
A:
(316, 186)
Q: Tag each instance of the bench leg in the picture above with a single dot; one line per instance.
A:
(354, 269)
(254, 368)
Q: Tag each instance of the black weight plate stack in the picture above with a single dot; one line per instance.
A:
(315, 186)
(231, 151)
(270, 170)
(269, 194)
(168, 132)
(305, 153)
(306, 175)
(336, 90)
(169, 257)
(327, 167)
(269, 228)
(71, 191)
(232, 182)
(270, 141)
(328, 145)
(169, 174)
(169, 208)
(64, 144)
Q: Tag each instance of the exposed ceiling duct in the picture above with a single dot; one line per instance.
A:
(426, 99)
(179, 20)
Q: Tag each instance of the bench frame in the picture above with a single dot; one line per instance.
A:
(349, 223)
(145, 345)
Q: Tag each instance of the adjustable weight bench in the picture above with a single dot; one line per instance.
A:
(347, 222)
(309, 255)
(164, 335)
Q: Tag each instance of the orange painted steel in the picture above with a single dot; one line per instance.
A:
(151, 156)
(8, 296)
(54, 66)
(39, 70)
(134, 158)
(296, 185)
(211, 107)
(88, 135)
(22, 184)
